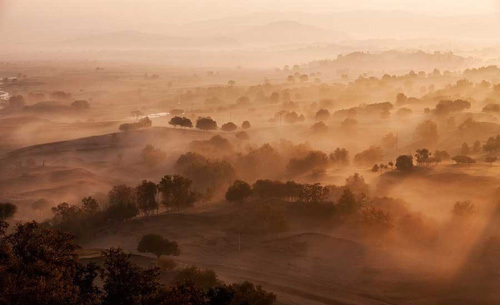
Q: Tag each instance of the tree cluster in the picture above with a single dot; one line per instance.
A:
(142, 123)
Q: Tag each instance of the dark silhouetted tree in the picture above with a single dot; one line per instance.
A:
(206, 124)
(146, 196)
(404, 163)
(238, 191)
(347, 203)
(7, 210)
(181, 121)
(176, 192)
(229, 127)
(121, 203)
(125, 283)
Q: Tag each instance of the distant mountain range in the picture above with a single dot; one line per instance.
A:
(269, 34)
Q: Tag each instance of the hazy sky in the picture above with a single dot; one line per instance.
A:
(180, 11)
(63, 18)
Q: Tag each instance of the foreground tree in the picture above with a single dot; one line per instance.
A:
(245, 125)
(125, 283)
(38, 266)
(156, 244)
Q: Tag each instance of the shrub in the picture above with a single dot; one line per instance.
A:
(156, 244)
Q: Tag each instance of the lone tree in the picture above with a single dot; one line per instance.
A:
(7, 210)
(156, 244)
(238, 191)
(146, 196)
(230, 126)
(206, 124)
(246, 125)
(404, 163)
(181, 121)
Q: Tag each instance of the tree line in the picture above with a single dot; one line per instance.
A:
(124, 202)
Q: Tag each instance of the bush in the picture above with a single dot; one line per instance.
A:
(156, 244)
